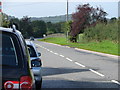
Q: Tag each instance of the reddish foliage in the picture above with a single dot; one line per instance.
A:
(84, 17)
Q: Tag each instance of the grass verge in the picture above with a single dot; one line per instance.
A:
(104, 46)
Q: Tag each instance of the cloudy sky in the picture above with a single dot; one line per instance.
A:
(51, 8)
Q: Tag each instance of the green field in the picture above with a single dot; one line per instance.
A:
(104, 46)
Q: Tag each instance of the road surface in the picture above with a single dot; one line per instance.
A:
(65, 67)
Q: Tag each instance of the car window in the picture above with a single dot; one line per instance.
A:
(9, 51)
(35, 63)
(32, 51)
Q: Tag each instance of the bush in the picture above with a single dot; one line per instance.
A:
(102, 32)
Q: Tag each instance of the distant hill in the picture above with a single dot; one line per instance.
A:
(53, 19)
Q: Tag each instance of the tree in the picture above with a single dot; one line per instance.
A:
(57, 27)
(113, 19)
(4, 21)
(25, 27)
(50, 28)
(16, 22)
(54, 27)
(66, 26)
(85, 16)
(39, 28)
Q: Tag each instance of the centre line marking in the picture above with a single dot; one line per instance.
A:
(114, 81)
(82, 66)
(48, 50)
(79, 64)
(69, 59)
(56, 53)
(96, 72)
(62, 56)
(38, 45)
(51, 51)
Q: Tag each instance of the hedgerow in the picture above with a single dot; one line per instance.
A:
(102, 32)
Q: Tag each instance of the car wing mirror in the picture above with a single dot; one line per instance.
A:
(35, 63)
(39, 54)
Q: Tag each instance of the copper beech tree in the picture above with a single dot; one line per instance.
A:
(85, 16)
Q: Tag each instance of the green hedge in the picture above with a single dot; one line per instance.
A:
(102, 32)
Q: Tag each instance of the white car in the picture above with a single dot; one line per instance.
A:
(35, 63)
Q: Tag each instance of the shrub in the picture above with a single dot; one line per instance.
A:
(102, 32)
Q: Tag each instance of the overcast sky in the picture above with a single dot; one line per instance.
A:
(43, 9)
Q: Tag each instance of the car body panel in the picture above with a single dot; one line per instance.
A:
(37, 73)
(37, 70)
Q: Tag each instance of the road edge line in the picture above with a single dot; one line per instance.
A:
(99, 53)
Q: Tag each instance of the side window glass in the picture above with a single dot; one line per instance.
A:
(9, 55)
(32, 51)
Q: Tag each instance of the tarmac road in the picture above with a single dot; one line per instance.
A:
(65, 67)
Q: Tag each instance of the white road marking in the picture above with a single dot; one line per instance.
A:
(98, 53)
(56, 53)
(38, 45)
(62, 56)
(43, 47)
(51, 51)
(114, 81)
(69, 59)
(96, 72)
(48, 50)
(79, 64)
(67, 46)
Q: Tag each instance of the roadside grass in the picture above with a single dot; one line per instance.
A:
(105, 46)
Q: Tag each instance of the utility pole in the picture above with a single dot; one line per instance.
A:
(67, 21)
(67, 12)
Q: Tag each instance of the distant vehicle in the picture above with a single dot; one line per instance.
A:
(16, 67)
(36, 63)
(32, 39)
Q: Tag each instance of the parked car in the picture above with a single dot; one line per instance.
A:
(35, 62)
(16, 67)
